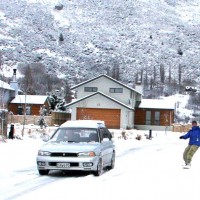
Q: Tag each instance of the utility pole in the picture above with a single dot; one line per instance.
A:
(1, 121)
(24, 119)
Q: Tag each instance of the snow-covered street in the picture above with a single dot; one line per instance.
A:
(145, 169)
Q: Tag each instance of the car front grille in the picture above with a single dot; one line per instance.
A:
(64, 155)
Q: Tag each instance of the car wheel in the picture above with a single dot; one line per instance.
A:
(43, 172)
(99, 170)
(112, 162)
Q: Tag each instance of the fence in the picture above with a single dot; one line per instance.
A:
(28, 119)
(57, 118)
(60, 117)
(181, 128)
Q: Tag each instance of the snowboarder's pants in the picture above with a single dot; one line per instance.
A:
(189, 152)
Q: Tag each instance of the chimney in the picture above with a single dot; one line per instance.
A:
(139, 87)
(14, 74)
(14, 83)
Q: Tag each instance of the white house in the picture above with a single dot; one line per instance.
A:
(104, 98)
(8, 91)
(6, 94)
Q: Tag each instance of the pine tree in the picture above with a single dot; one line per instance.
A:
(61, 38)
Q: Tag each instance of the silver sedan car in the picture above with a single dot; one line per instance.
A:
(84, 145)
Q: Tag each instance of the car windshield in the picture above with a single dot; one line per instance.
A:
(75, 135)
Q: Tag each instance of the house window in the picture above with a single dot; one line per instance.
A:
(116, 90)
(20, 110)
(28, 110)
(90, 89)
(152, 118)
(148, 117)
(157, 118)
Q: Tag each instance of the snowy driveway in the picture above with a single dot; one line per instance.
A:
(147, 169)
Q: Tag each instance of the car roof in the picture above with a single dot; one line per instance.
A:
(84, 124)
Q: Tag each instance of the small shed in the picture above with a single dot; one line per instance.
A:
(30, 103)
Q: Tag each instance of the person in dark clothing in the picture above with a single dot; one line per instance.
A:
(194, 142)
(11, 133)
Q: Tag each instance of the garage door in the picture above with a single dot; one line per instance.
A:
(111, 117)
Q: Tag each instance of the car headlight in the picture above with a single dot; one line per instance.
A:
(86, 154)
(44, 153)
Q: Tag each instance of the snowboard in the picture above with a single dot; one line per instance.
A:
(186, 166)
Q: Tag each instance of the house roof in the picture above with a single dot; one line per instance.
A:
(114, 80)
(5, 85)
(100, 93)
(30, 99)
(157, 104)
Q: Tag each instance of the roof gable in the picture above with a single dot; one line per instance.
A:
(108, 77)
(100, 93)
(5, 86)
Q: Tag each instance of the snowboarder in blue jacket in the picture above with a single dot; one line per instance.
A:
(194, 142)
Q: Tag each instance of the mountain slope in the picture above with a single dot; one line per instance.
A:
(98, 35)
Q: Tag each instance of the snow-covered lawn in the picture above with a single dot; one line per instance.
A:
(145, 169)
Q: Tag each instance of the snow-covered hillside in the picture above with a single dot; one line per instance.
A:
(181, 111)
(99, 35)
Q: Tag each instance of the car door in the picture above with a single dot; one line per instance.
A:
(107, 145)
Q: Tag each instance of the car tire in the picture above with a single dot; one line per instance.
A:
(43, 172)
(112, 162)
(99, 170)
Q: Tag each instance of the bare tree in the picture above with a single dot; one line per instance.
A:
(141, 75)
(136, 76)
(151, 83)
(1, 62)
(36, 75)
(115, 73)
(146, 81)
(68, 93)
(49, 83)
(179, 74)
(162, 73)
(28, 81)
(170, 74)
(154, 74)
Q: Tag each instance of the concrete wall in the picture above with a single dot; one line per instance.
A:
(157, 128)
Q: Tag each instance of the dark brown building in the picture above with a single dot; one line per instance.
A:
(154, 113)
(33, 103)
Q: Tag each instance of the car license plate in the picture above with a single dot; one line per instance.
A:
(63, 165)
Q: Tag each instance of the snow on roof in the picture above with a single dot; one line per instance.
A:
(5, 85)
(157, 104)
(84, 123)
(30, 99)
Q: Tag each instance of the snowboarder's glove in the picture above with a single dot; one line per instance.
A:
(181, 137)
